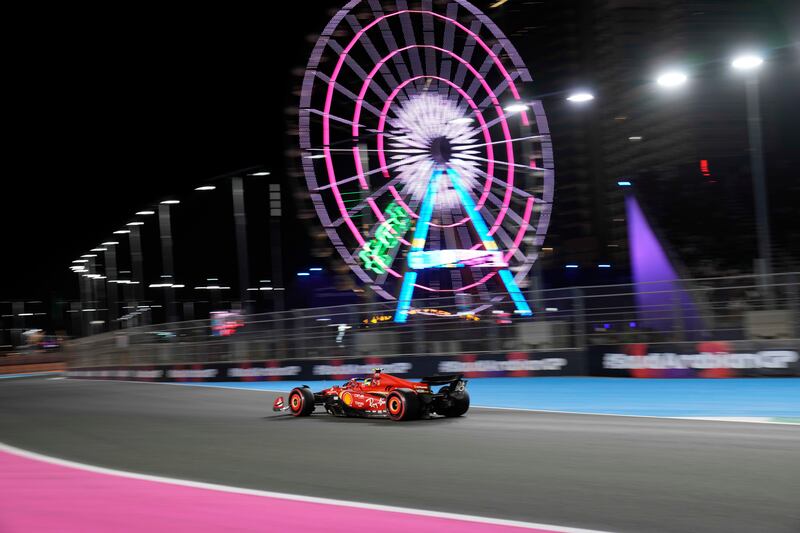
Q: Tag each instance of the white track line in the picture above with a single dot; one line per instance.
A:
(284, 496)
(737, 420)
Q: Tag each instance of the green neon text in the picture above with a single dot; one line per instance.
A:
(375, 254)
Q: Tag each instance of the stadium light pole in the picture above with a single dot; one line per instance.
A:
(137, 277)
(240, 225)
(99, 292)
(112, 292)
(749, 65)
(79, 268)
(168, 267)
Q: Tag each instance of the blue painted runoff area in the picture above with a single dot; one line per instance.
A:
(32, 375)
(736, 397)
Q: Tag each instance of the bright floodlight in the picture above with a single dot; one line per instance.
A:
(171, 202)
(747, 62)
(109, 243)
(99, 250)
(672, 78)
(516, 108)
(89, 255)
(146, 213)
(259, 174)
(462, 120)
(122, 232)
(580, 97)
(205, 188)
(135, 224)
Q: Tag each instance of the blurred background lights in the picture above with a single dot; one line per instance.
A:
(516, 108)
(672, 78)
(580, 97)
(747, 62)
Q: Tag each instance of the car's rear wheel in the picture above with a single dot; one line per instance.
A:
(457, 403)
(301, 402)
(402, 405)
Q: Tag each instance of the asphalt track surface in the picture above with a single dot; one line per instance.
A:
(600, 472)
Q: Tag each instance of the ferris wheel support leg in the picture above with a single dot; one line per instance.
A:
(489, 243)
(516, 295)
(417, 245)
(404, 302)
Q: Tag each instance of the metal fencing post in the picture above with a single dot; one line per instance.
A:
(793, 295)
(579, 318)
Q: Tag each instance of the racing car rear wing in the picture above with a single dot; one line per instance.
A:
(442, 379)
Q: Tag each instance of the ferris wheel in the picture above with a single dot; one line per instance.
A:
(429, 170)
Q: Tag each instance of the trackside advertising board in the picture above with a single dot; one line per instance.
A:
(512, 364)
(702, 360)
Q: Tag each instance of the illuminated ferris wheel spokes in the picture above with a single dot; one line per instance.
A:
(420, 259)
(406, 141)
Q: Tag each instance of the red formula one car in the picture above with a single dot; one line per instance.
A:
(383, 396)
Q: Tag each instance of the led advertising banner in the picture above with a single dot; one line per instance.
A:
(511, 364)
(701, 360)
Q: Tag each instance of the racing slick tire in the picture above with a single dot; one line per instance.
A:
(459, 403)
(301, 401)
(403, 405)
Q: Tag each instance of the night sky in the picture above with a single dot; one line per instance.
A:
(111, 111)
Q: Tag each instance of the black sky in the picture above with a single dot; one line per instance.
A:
(110, 110)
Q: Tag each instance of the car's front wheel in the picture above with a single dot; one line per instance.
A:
(301, 402)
